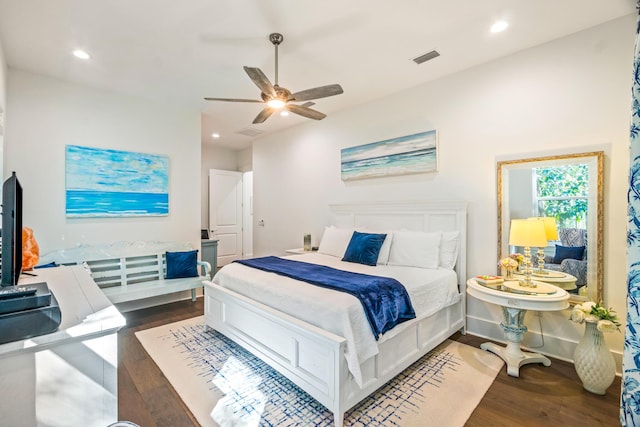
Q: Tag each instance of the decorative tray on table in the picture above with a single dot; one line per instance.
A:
(549, 274)
(541, 288)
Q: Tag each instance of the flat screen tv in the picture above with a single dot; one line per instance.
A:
(11, 231)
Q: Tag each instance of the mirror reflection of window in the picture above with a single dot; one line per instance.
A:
(562, 192)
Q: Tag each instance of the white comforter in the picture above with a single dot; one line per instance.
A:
(340, 313)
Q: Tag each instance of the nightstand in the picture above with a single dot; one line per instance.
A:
(210, 254)
(298, 251)
(515, 300)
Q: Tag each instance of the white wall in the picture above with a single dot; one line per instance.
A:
(3, 79)
(245, 160)
(521, 193)
(45, 114)
(565, 96)
(3, 103)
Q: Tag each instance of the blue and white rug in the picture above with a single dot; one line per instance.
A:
(223, 384)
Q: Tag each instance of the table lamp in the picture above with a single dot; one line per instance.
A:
(527, 233)
(551, 231)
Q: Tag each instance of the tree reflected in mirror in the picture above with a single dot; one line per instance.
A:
(562, 192)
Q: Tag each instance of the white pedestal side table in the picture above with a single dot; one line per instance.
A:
(509, 295)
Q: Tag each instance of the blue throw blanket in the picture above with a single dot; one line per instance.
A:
(385, 301)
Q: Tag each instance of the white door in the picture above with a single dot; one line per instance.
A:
(247, 206)
(225, 213)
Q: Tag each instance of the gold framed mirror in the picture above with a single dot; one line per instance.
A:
(569, 187)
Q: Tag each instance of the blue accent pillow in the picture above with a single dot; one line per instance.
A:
(568, 252)
(364, 248)
(182, 264)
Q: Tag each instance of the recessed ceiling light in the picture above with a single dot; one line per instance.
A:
(499, 26)
(81, 54)
(284, 113)
(215, 135)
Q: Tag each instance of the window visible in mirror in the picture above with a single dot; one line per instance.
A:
(562, 192)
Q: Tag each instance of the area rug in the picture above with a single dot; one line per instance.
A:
(224, 385)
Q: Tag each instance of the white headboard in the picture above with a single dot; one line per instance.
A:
(420, 215)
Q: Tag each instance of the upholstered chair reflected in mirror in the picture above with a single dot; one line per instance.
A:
(571, 255)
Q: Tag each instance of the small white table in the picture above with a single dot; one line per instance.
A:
(514, 307)
(298, 251)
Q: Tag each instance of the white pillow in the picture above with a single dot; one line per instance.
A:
(383, 256)
(415, 249)
(449, 249)
(335, 241)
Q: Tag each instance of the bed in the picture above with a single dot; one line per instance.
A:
(330, 361)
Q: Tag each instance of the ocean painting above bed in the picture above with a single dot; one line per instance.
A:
(113, 183)
(417, 153)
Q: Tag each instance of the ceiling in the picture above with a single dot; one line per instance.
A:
(179, 52)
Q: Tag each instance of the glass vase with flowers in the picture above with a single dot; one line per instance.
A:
(519, 258)
(509, 265)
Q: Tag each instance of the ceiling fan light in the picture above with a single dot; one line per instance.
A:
(280, 99)
(276, 103)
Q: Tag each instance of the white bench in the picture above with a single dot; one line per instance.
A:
(128, 271)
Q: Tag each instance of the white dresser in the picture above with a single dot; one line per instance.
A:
(68, 377)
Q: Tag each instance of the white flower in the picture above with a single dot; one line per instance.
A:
(606, 326)
(577, 315)
(591, 318)
(606, 319)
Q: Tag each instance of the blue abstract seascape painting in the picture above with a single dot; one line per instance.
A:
(112, 183)
(409, 154)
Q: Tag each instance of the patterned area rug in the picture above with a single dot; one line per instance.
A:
(224, 385)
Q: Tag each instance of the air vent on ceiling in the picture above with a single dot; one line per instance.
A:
(250, 132)
(427, 56)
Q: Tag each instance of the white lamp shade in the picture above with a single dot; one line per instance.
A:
(527, 232)
(550, 227)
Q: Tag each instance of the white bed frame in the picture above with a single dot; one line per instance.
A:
(313, 358)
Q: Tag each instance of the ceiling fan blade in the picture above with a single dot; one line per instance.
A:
(258, 77)
(305, 111)
(264, 115)
(316, 92)
(234, 100)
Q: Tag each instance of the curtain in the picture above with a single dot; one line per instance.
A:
(630, 396)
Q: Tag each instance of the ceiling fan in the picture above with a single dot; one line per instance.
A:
(277, 97)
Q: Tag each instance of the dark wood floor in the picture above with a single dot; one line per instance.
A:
(542, 396)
